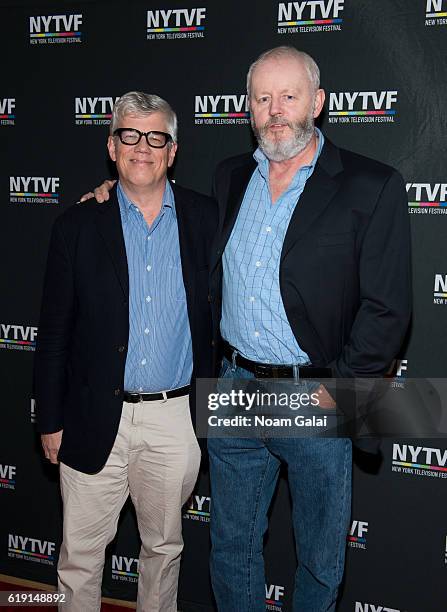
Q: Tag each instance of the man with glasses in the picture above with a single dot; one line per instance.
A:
(125, 328)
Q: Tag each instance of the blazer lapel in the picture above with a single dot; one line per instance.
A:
(110, 228)
(317, 195)
(187, 221)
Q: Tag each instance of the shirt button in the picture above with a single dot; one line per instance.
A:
(148, 268)
(146, 331)
(149, 237)
(143, 362)
(268, 228)
(257, 334)
(148, 299)
(258, 264)
(252, 298)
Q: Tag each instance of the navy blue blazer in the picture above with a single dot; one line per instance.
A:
(345, 269)
(84, 323)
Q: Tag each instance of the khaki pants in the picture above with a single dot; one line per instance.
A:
(156, 459)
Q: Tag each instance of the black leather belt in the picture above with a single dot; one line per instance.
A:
(133, 398)
(266, 370)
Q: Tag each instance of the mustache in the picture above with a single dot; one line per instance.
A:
(276, 121)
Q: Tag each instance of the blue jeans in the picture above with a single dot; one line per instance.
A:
(244, 473)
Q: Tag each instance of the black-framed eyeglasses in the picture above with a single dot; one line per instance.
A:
(131, 136)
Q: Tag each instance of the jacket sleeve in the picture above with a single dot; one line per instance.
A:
(54, 333)
(385, 288)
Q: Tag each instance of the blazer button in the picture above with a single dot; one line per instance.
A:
(121, 349)
(213, 343)
(210, 298)
(117, 391)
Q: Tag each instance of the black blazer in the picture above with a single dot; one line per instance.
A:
(345, 262)
(84, 323)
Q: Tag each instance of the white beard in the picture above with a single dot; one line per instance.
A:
(280, 150)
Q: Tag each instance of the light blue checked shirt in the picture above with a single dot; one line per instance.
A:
(159, 357)
(253, 316)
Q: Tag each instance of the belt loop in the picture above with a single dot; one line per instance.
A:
(134, 416)
(296, 373)
(165, 397)
(233, 361)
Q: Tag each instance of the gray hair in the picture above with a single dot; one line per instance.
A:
(143, 104)
(285, 51)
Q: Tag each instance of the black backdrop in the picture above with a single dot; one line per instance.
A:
(384, 63)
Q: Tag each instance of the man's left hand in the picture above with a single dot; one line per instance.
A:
(51, 443)
(325, 399)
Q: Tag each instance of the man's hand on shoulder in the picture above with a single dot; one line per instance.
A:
(51, 444)
(101, 193)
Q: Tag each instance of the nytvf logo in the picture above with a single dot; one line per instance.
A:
(357, 534)
(124, 568)
(198, 508)
(50, 29)
(362, 106)
(7, 111)
(221, 109)
(34, 189)
(309, 16)
(176, 23)
(94, 111)
(435, 12)
(369, 607)
(419, 460)
(18, 337)
(274, 594)
(8, 476)
(440, 289)
(31, 549)
(427, 198)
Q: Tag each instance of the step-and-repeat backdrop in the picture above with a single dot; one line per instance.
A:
(384, 69)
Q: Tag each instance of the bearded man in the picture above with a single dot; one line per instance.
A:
(310, 277)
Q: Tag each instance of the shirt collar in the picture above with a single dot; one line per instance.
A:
(127, 206)
(263, 162)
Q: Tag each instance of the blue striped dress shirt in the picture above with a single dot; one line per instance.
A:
(159, 356)
(253, 316)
